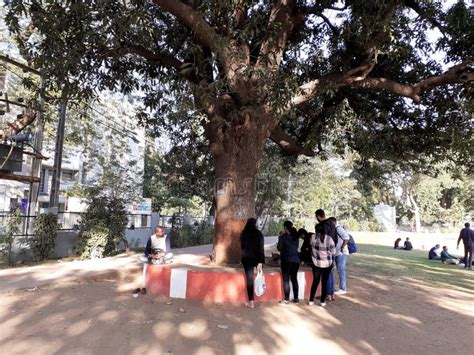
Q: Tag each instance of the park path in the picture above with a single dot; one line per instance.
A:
(75, 270)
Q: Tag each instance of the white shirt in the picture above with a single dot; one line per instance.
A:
(341, 236)
(158, 243)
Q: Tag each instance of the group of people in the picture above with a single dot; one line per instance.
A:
(467, 237)
(406, 245)
(321, 250)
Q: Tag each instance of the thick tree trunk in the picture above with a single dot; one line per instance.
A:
(237, 156)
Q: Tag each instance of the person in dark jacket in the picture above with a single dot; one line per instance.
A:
(435, 253)
(251, 244)
(288, 244)
(407, 245)
(467, 237)
(305, 252)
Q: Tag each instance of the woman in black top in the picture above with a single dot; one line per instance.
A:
(251, 243)
(305, 253)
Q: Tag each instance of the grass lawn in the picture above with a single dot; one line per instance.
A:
(384, 261)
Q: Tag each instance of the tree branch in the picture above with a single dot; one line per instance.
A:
(415, 6)
(458, 74)
(308, 90)
(280, 26)
(161, 59)
(288, 144)
(187, 15)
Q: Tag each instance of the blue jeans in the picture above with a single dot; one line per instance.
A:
(331, 283)
(341, 270)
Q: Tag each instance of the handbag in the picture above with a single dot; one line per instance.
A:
(260, 286)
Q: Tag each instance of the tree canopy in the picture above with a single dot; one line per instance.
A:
(389, 79)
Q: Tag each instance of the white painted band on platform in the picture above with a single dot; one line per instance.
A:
(178, 282)
(301, 285)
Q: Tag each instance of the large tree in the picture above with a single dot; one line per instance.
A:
(356, 73)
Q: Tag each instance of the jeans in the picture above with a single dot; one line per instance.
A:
(249, 273)
(331, 283)
(341, 261)
(290, 270)
(323, 275)
(468, 252)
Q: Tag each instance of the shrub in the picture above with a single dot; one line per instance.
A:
(186, 235)
(94, 242)
(275, 227)
(205, 233)
(7, 237)
(105, 217)
(183, 236)
(42, 243)
(371, 226)
(353, 224)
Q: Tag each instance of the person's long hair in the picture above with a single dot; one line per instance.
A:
(302, 233)
(291, 230)
(320, 231)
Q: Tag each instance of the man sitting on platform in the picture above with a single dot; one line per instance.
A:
(156, 252)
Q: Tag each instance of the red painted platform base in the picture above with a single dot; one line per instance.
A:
(214, 284)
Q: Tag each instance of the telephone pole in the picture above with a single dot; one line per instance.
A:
(58, 156)
(38, 147)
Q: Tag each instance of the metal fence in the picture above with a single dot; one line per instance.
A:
(70, 221)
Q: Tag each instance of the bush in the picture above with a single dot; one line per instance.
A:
(205, 233)
(353, 224)
(94, 242)
(371, 226)
(105, 217)
(45, 228)
(364, 225)
(183, 236)
(7, 237)
(274, 228)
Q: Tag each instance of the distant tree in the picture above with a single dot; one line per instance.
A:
(360, 74)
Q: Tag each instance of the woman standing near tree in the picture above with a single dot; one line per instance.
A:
(288, 244)
(251, 243)
(323, 252)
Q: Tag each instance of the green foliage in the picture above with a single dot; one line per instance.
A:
(186, 235)
(8, 234)
(102, 227)
(275, 227)
(43, 242)
(95, 242)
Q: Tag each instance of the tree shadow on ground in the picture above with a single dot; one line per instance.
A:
(379, 315)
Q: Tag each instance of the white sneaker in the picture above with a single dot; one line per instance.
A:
(340, 292)
(323, 304)
(310, 303)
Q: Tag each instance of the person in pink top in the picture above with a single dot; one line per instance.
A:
(323, 251)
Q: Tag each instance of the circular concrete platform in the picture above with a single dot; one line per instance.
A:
(200, 280)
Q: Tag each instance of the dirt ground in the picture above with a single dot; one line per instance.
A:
(378, 316)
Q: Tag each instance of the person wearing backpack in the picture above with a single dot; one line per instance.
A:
(342, 253)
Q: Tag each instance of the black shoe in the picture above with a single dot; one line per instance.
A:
(136, 291)
(143, 291)
(296, 301)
